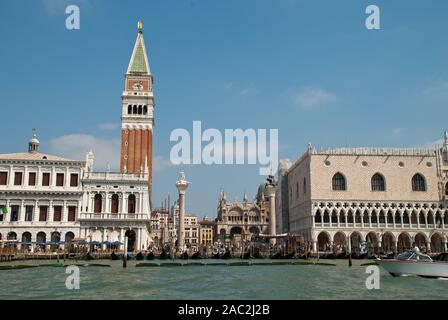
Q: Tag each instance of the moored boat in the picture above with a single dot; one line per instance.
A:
(289, 255)
(226, 255)
(196, 256)
(150, 256)
(115, 256)
(415, 263)
(247, 255)
(164, 255)
(185, 256)
(131, 256)
(140, 256)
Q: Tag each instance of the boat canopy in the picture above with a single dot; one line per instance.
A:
(412, 255)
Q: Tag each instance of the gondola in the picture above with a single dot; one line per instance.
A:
(185, 256)
(289, 255)
(330, 255)
(131, 256)
(359, 256)
(247, 255)
(164, 255)
(88, 257)
(226, 255)
(196, 256)
(115, 256)
(257, 254)
(150, 256)
(441, 257)
(216, 256)
(341, 255)
(278, 255)
(140, 256)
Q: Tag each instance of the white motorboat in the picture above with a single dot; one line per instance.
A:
(415, 263)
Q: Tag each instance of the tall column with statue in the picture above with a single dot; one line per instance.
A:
(182, 185)
(271, 187)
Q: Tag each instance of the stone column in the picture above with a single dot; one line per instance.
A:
(36, 212)
(122, 203)
(65, 212)
(121, 239)
(270, 189)
(108, 198)
(8, 215)
(182, 186)
(104, 238)
(22, 212)
(26, 177)
(51, 212)
(139, 239)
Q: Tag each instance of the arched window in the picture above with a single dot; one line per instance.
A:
(297, 190)
(129, 109)
(339, 183)
(115, 203)
(145, 109)
(131, 203)
(378, 183)
(134, 111)
(418, 183)
(140, 109)
(318, 217)
(446, 189)
(304, 185)
(98, 204)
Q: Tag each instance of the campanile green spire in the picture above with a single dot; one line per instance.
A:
(139, 59)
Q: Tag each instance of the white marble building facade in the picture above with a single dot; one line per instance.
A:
(48, 199)
(40, 195)
(116, 206)
(392, 198)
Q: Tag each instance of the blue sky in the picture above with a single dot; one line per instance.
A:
(308, 68)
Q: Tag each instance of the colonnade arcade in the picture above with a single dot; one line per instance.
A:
(380, 215)
(388, 241)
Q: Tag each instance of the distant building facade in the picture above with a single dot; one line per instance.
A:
(206, 232)
(242, 220)
(390, 198)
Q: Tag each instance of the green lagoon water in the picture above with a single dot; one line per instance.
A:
(195, 282)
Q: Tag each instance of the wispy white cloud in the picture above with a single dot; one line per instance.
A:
(397, 131)
(75, 146)
(239, 90)
(108, 126)
(312, 97)
(438, 89)
(160, 164)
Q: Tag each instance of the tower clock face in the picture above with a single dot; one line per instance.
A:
(138, 86)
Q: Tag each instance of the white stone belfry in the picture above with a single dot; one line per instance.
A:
(181, 185)
(33, 144)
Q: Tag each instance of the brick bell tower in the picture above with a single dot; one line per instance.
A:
(137, 118)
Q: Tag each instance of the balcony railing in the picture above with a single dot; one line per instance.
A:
(114, 216)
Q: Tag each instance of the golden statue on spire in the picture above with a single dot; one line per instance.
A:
(140, 26)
